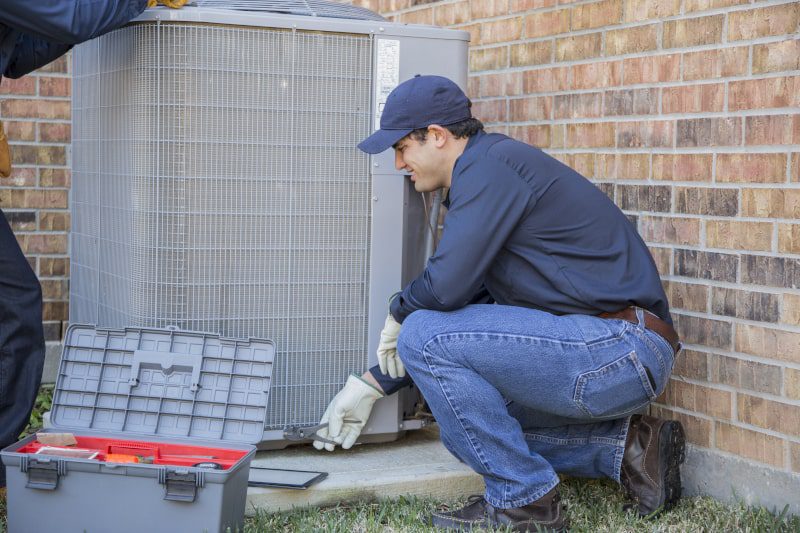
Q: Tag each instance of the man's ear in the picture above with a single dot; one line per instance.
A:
(438, 135)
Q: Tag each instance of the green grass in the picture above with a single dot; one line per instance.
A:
(592, 506)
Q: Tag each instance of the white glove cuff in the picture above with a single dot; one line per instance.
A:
(369, 390)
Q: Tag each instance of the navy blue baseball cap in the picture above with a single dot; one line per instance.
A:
(414, 104)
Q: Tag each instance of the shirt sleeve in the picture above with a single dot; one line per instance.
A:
(487, 201)
(31, 53)
(68, 22)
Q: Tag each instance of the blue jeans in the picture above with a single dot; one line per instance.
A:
(521, 394)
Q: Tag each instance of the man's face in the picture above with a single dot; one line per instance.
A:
(422, 161)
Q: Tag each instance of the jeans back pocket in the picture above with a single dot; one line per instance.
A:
(616, 389)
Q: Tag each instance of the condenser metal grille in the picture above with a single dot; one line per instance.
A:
(313, 8)
(217, 187)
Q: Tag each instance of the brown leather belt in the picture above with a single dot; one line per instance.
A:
(651, 322)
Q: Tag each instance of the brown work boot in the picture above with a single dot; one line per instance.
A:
(545, 514)
(650, 474)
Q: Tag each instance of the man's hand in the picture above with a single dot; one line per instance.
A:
(388, 360)
(354, 402)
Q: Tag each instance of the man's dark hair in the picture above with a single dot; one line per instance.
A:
(460, 130)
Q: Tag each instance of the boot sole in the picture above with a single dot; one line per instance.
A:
(672, 446)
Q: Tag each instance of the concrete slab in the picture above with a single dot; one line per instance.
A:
(416, 465)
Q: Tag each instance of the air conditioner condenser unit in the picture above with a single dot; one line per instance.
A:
(216, 186)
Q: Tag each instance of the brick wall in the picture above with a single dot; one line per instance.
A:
(36, 112)
(687, 114)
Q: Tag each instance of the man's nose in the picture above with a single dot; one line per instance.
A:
(399, 164)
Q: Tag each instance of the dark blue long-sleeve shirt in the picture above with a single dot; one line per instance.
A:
(35, 32)
(535, 234)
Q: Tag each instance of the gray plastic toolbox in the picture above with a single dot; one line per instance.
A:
(138, 393)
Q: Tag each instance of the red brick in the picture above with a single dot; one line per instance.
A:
(739, 235)
(596, 14)
(776, 416)
(763, 93)
(501, 30)
(702, 5)
(535, 53)
(488, 8)
(25, 85)
(772, 57)
(705, 331)
(668, 230)
(789, 238)
(682, 167)
(539, 136)
(795, 452)
(394, 5)
(54, 177)
(772, 20)
(583, 164)
(693, 98)
(54, 132)
(687, 296)
(700, 399)
(581, 105)
(43, 243)
(709, 132)
(652, 69)
(691, 364)
(712, 64)
(594, 135)
(54, 289)
(49, 86)
(531, 108)
(546, 80)
(639, 10)
(772, 129)
(20, 177)
(633, 166)
(707, 201)
(53, 266)
(451, 14)
(19, 130)
(490, 111)
(651, 133)
(630, 102)
(501, 84)
(631, 40)
(47, 109)
(596, 75)
(749, 444)
(751, 168)
(769, 343)
(545, 23)
(36, 154)
(792, 384)
(579, 47)
(693, 32)
(771, 202)
(488, 58)
(526, 5)
(795, 172)
(419, 16)
(662, 257)
(54, 221)
(744, 374)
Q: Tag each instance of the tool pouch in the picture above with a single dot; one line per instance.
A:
(5, 154)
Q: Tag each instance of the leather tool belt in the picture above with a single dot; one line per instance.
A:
(5, 154)
(651, 322)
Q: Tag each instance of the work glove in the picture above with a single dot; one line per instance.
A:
(174, 4)
(5, 154)
(388, 360)
(347, 414)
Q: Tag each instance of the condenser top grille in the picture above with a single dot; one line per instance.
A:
(312, 8)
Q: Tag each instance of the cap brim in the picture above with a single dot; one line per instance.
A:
(381, 140)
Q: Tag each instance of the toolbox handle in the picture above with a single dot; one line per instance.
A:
(180, 485)
(168, 362)
(43, 474)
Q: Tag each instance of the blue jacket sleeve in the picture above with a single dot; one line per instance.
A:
(487, 201)
(31, 53)
(68, 22)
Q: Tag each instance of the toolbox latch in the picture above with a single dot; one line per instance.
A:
(181, 485)
(43, 475)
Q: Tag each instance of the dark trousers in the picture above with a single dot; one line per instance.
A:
(21, 339)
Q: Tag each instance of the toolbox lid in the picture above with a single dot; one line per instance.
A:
(164, 382)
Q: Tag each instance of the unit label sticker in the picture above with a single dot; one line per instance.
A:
(388, 74)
